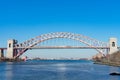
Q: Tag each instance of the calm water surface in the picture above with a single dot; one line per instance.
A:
(56, 70)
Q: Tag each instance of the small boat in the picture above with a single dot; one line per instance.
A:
(115, 73)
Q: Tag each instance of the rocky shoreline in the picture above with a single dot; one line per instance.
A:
(108, 63)
(110, 60)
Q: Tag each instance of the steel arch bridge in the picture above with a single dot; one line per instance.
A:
(20, 48)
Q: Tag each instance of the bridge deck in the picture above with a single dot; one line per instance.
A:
(60, 47)
(3, 48)
(64, 47)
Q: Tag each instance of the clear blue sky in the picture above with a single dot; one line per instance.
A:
(25, 19)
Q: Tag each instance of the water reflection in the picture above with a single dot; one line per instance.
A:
(61, 68)
(9, 71)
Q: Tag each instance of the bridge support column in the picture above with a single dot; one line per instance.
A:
(10, 48)
(113, 45)
(1, 53)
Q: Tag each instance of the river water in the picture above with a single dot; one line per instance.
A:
(56, 70)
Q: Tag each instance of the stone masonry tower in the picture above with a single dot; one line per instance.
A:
(10, 48)
(113, 45)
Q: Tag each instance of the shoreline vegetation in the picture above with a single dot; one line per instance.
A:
(10, 60)
(110, 60)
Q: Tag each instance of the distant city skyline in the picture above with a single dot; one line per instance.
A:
(26, 19)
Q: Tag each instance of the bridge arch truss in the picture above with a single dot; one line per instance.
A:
(78, 37)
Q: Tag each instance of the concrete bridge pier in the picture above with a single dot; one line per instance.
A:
(1, 53)
(113, 45)
(10, 48)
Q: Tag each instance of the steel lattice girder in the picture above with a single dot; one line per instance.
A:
(84, 39)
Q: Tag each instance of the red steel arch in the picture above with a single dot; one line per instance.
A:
(84, 39)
